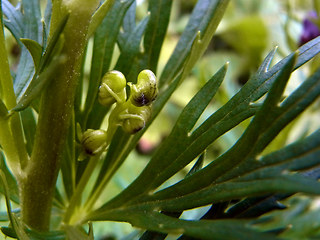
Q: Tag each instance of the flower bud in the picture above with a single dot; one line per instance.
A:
(145, 91)
(135, 118)
(112, 88)
(94, 141)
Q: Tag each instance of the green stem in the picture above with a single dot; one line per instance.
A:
(11, 134)
(76, 197)
(37, 188)
(108, 175)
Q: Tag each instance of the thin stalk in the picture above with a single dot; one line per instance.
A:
(76, 197)
(110, 172)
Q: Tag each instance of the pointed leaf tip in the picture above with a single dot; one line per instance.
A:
(35, 50)
(3, 110)
(264, 67)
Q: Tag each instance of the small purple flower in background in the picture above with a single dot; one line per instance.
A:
(310, 29)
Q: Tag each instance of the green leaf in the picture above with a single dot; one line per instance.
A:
(205, 18)
(264, 67)
(49, 61)
(77, 233)
(55, 44)
(255, 207)
(9, 232)
(297, 102)
(250, 185)
(131, 48)
(128, 25)
(160, 236)
(157, 27)
(35, 50)
(14, 21)
(47, 18)
(43, 71)
(99, 15)
(244, 146)
(202, 229)
(129, 22)
(32, 20)
(233, 190)
(24, 74)
(147, 58)
(197, 166)
(308, 51)
(264, 116)
(296, 219)
(297, 156)
(291, 107)
(257, 86)
(31, 30)
(38, 84)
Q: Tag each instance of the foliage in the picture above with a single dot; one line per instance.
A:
(58, 158)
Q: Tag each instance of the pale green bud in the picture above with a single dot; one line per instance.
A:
(94, 141)
(112, 88)
(145, 91)
(135, 119)
(130, 117)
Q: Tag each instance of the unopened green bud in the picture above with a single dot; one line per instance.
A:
(130, 117)
(145, 91)
(136, 118)
(94, 141)
(112, 88)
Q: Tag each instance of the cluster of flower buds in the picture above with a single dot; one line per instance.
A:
(131, 114)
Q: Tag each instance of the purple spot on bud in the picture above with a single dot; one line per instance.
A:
(310, 29)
